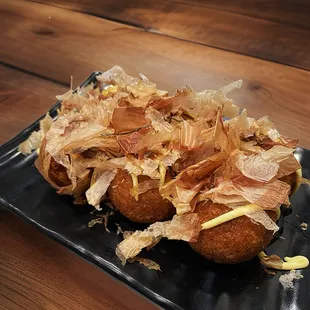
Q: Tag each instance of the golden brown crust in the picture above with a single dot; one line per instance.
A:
(58, 174)
(232, 242)
(53, 172)
(150, 207)
(291, 180)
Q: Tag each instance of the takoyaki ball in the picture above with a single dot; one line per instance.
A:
(150, 206)
(53, 172)
(291, 180)
(232, 242)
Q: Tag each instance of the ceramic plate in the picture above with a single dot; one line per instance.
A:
(187, 281)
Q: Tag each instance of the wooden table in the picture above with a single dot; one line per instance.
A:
(200, 43)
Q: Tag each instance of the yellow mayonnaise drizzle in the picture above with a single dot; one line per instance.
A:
(296, 262)
(290, 263)
(239, 211)
(299, 172)
(278, 213)
(162, 172)
(110, 89)
(296, 187)
(134, 190)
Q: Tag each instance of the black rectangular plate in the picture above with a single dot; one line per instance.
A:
(187, 281)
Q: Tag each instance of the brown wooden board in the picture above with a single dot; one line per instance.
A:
(290, 12)
(23, 99)
(254, 29)
(37, 273)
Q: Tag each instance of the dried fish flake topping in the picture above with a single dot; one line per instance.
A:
(148, 263)
(102, 219)
(287, 279)
(184, 227)
(95, 221)
(303, 226)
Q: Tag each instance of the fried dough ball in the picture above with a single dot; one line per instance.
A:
(150, 207)
(58, 174)
(53, 172)
(291, 179)
(232, 242)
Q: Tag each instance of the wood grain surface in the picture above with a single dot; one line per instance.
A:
(74, 43)
(213, 23)
(23, 99)
(202, 43)
(290, 12)
(38, 273)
